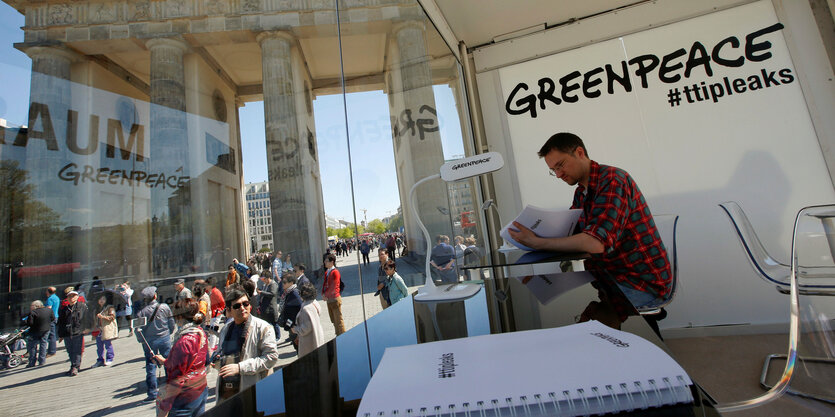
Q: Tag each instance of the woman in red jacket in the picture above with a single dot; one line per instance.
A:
(186, 391)
(332, 294)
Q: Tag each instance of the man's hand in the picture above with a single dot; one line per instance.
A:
(524, 235)
(60, 340)
(580, 242)
(159, 359)
(229, 370)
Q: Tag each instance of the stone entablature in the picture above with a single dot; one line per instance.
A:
(49, 22)
(234, 14)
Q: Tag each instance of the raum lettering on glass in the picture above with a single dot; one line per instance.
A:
(127, 148)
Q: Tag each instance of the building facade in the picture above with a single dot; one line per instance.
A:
(258, 217)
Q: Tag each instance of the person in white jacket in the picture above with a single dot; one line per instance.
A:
(308, 326)
(248, 345)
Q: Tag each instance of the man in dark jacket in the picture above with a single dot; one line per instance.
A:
(268, 301)
(40, 321)
(72, 318)
(291, 307)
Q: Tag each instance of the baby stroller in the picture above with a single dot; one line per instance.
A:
(11, 342)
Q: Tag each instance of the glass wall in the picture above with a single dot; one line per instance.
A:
(126, 161)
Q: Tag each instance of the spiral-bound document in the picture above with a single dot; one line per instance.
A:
(581, 369)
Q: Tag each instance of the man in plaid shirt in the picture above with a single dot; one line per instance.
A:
(616, 226)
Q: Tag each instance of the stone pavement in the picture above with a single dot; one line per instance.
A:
(118, 390)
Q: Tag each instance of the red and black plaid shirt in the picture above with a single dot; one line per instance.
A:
(616, 214)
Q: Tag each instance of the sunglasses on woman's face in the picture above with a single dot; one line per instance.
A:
(236, 306)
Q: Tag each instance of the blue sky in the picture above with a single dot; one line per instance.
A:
(374, 181)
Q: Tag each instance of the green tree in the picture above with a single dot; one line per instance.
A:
(396, 223)
(376, 226)
(331, 231)
(32, 229)
(346, 232)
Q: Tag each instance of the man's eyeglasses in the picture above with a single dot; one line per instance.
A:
(558, 167)
(236, 306)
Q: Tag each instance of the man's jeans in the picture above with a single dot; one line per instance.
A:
(53, 340)
(162, 347)
(640, 299)
(75, 347)
(36, 345)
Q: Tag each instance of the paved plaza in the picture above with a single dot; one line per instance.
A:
(118, 390)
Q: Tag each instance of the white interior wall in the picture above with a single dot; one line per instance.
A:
(759, 148)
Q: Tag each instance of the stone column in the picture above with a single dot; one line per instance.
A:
(171, 239)
(289, 200)
(45, 146)
(416, 134)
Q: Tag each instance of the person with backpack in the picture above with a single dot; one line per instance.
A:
(332, 293)
(155, 336)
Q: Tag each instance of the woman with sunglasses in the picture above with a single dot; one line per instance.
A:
(248, 346)
(397, 288)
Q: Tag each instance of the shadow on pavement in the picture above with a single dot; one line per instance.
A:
(35, 380)
(113, 410)
(134, 360)
(131, 390)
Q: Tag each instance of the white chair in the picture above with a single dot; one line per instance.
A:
(809, 281)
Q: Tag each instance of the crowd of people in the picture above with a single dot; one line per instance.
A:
(234, 326)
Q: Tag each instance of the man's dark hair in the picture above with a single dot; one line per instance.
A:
(564, 142)
(211, 282)
(235, 292)
(266, 274)
(332, 258)
(301, 267)
(307, 291)
(290, 279)
(249, 286)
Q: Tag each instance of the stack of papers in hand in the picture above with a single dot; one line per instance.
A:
(543, 222)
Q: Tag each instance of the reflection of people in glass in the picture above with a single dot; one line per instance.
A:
(71, 320)
(472, 256)
(443, 260)
(106, 330)
(397, 288)
(612, 307)
(332, 295)
(185, 391)
(382, 290)
(308, 326)
(248, 346)
(617, 226)
(231, 276)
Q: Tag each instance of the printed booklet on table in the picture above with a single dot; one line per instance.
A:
(544, 223)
